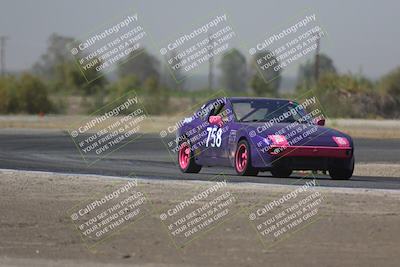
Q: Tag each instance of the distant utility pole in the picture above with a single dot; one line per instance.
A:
(317, 58)
(3, 40)
(210, 65)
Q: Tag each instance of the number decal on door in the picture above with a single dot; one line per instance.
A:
(215, 136)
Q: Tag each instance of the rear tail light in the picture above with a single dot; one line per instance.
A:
(341, 141)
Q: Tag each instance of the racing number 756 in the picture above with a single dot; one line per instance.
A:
(215, 136)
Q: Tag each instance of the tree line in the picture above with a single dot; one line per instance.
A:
(55, 76)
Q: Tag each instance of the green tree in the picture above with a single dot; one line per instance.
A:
(170, 78)
(55, 55)
(389, 88)
(58, 68)
(8, 99)
(390, 83)
(346, 96)
(152, 95)
(141, 64)
(234, 71)
(32, 95)
(124, 85)
(265, 80)
(306, 73)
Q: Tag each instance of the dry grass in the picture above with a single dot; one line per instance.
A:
(354, 127)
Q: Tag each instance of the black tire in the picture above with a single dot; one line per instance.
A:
(343, 171)
(247, 169)
(281, 172)
(191, 166)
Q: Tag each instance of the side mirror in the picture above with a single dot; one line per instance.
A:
(215, 120)
(320, 121)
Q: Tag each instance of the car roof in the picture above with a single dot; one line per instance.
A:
(255, 98)
(247, 98)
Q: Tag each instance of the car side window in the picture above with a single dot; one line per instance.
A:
(213, 108)
(217, 110)
(204, 111)
(223, 112)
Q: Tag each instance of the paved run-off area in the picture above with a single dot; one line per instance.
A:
(355, 227)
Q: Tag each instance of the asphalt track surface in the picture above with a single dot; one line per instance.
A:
(147, 157)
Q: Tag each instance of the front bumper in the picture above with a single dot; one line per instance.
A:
(311, 151)
(310, 157)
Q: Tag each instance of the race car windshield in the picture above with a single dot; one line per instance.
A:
(264, 110)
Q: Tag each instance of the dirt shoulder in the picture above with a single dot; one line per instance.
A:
(355, 227)
(377, 169)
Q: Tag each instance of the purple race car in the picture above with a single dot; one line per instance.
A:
(260, 134)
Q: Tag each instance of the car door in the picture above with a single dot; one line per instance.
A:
(219, 134)
(204, 137)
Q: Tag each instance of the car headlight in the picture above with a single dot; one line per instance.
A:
(279, 140)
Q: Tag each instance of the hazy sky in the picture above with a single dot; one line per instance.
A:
(362, 34)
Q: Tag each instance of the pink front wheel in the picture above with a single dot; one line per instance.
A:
(243, 159)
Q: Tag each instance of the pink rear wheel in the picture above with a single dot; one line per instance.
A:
(186, 159)
(184, 156)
